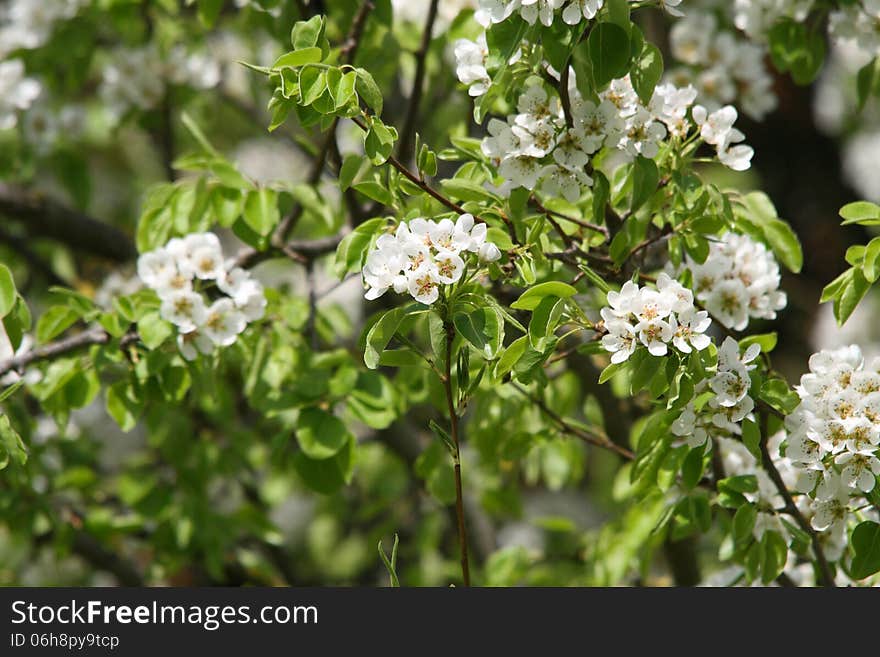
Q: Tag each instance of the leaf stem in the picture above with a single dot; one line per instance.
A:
(456, 455)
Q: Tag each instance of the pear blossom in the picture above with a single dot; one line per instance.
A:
(738, 281)
(17, 92)
(223, 322)
(470, 57)
(722, 414)
(186, 309)
(180, 271)
(653, 318)
(422, 255)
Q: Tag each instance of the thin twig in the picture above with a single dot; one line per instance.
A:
(825, 574)
(45, 217)
(456, 456)
(591, 437)
(349, 51)
(415, 99)
(67, 345)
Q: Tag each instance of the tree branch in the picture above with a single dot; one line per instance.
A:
(349, 51)
(456, 457)
(415, 98)
(590, 437)
(45, 217)
(825, 574)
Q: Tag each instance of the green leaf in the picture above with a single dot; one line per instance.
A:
(391, 565)
(379, 142)
(849, 296)
(381, 333)
(123, 406)
(467, 190)
(153, 330)
(767, 341)
(774, 554)
(307, 34)
(777, 393)
(744, 522)
(321, 434)
(369, 91)
(865, 542)
(861, 212)
(530, 299)
(510, 356)
(692, 468)
(867, 81)
(758, 212)
(7, 291)
(608, 46)
(375, 190)
(11, 446)
(751, 436)
(298, 58)
(483, 328)
(797, 48)
(739, 483)
(326, 476)
(503, 40)
(343, 90)
(209, 11)
(545, 319)
(55, 321)
(353, 247)
(646, 72)
(261, 210)
(645, 181)
(312, 84)
(869, 264)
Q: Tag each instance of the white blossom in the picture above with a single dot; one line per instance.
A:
(181, 271)
(17, 92)
(739, 280)
(423, 255)
(654, 318)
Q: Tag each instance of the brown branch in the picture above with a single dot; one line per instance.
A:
(407, 135)
(23, 248)
(580, 222)
(45, 217)
(61, 347)
(349, 51)
(825, 574)
(416, 180)
(301, 251)
(88, 547)
(456, 457)
(590, 437)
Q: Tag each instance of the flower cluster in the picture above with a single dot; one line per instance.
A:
(653, 318)
(717, 130)
(17, 92)
(739, 279)
(137, 77)
(756, 17)
(739, 461)
(423, 254)
(719, 414)
(723, 67)
(470, 58)
(26, 24)
(176, 272)
(573, 11)
(540, 146)
(834, 434)
(856, 24)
